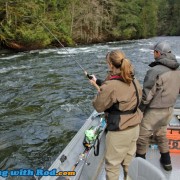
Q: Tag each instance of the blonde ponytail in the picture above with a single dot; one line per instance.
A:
(119, 61)
(126, 71)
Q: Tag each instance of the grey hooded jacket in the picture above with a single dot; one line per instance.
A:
(162, 83)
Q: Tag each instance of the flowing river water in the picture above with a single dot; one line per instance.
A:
(45, 97)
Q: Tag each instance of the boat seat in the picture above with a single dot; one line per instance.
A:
(141, 169)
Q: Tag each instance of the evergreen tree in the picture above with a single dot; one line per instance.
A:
(27, 23)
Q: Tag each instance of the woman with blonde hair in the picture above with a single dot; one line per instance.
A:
(119, 97)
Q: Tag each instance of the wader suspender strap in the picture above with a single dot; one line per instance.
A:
(137, 95)
(114, 109)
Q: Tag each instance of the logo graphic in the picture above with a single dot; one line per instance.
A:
(37, 172)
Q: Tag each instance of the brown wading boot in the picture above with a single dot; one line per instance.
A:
(165, 160)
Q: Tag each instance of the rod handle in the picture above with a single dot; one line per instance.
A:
(89, 76)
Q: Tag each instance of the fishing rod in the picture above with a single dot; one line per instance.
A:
(85, 72)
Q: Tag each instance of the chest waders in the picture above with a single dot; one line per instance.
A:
(113, 113)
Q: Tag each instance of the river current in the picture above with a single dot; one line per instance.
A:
(45, 97)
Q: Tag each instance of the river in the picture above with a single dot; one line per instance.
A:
(45, 97)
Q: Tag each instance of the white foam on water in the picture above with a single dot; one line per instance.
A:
(47, 51)
(95, 47)
(114, 48)
(101, 56)
(12, 57)
(4, 70)
(63, 52)
(68, 107)
(72, 51)
(78, 50)
(84, 48)
(144, 50)
(34, 51)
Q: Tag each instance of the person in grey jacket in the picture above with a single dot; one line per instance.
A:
(161, 88)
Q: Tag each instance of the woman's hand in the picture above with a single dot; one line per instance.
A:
(93, 81)
(93, 77)
(90, 76)
(94, 84)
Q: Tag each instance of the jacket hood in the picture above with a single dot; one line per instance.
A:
(169, 60)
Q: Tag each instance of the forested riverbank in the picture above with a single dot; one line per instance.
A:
(26, 25)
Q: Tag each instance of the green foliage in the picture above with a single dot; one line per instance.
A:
(149, 18)
(86, 21)
(32, 34)
(174, 23)
(129, 33)
(7, 32)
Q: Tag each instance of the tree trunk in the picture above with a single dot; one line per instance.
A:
(72, 17)
(7, 14)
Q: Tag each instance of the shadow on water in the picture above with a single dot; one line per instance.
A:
(45, 97)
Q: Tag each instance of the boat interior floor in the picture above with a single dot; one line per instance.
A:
(153, 157)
